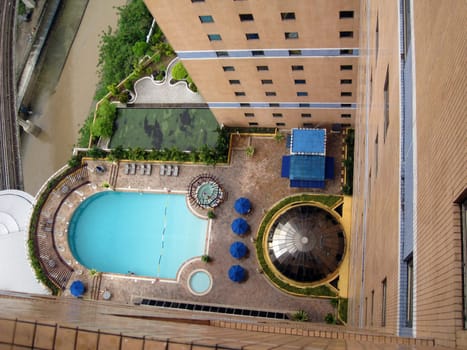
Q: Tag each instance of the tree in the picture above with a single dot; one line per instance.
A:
(179, 72)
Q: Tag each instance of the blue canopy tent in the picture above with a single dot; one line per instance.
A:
(237, 273)
(77, 288)
(240, 226)
(242, 205)
(238, 250)
(307, 165)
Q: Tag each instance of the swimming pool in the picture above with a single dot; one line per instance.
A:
(141, 233)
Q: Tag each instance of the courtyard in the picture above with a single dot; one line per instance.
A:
(257, 178)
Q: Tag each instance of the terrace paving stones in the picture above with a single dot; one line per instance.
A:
(258, 178)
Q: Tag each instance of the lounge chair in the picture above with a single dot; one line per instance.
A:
(132, 168)
(169, 170)
(148, 169)
(127, 169)
(162, 170)
(175, 170)
(142, 169)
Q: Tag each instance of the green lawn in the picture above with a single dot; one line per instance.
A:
(186, 129)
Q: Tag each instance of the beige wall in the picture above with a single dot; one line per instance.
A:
(318, 26)
(440, 42)
(317, 23)
(376, 188)
(440, 89)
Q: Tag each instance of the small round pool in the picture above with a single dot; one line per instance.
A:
(200, 282)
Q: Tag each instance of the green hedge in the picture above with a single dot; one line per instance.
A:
(327, 200)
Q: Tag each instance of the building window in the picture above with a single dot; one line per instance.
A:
(346, 115)
(249, 115)
(384, 295)
(222, 54)
(214, 37)
(206, 19)
(346, 52)
(345, 14)
(464, 254)
(302, 93)
(304, 105)
(266, 81)
(197, 0)
(372, 309)
(295, 52)
(285, 16)
(274, 105)
(257, 53)
(228, 68)
(253, 124)
(277, 115)
(270, 93)
(291, 35)
(243, 105)
(246, 17)
(346, 93)
(280, 124)
(409, 292)
(346, 81)
(376, 154)
(299, 81)
(234, 81)
(346, 34)
(252, 36)
(240, 93)
(386, 104)
(377, 37)
(346, 105)
(306, 115)
(346, 67)
(262, 68)
(297, 67)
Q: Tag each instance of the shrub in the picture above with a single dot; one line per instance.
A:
(205, 258)
(250, 151)
(330, 319)
(179, 72)
(279, 137)
(211, 214)
(300, 315)
(105, 116)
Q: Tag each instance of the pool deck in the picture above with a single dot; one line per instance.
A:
(257, 178)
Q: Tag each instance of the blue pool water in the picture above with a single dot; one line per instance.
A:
(200, 282)
(147, 234)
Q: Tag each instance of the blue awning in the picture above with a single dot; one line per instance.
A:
(308, 142)
(311, 168)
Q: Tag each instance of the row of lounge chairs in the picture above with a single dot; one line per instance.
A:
(144, 169)
(169, 170)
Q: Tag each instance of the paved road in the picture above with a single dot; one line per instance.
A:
(10, 163)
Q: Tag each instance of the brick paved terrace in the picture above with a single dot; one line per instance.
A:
(257, 178)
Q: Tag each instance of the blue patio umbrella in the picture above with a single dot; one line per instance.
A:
(237, 273)
(77, 288)
(240, 226)
(242, 205)
(238, 250)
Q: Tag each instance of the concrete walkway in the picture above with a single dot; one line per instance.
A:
(151, 91)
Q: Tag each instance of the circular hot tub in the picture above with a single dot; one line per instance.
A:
(200, 282)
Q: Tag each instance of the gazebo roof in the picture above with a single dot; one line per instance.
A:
(308, 142)
(307, 168)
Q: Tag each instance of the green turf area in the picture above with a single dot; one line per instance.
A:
(186, 129)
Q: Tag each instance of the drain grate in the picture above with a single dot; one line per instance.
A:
(216, 309)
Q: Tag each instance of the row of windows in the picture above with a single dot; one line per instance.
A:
(285, 16)
(293, 52)
(268, 81)
(303, 115)
(287, 35)
(295, 67)
(299, 93)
